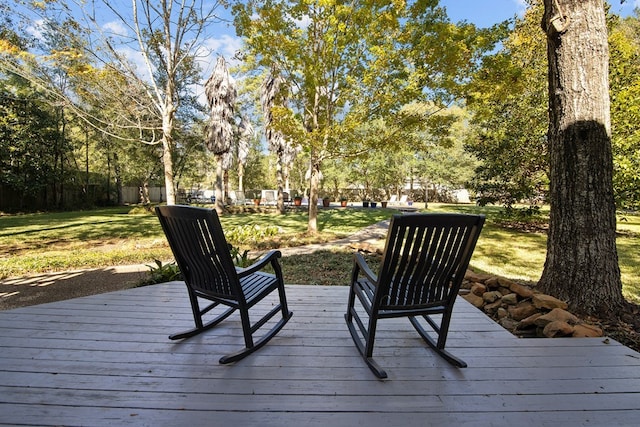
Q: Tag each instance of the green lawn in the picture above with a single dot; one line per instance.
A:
(36, 243)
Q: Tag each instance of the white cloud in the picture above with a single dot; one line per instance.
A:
(135, 58)
(225, 45)
(116, 28)
(303, 22)
(36, 29)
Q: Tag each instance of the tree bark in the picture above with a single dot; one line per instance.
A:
(167, 150)
(582, 263)
(314, 185)
(279, 183)
(219, 205)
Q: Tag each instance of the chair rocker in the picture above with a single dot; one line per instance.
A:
(423, 265)
(203, 256)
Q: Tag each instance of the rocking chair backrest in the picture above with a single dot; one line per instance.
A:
(425, 259)
(200, 249)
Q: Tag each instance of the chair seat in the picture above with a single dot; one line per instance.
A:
(256, 286)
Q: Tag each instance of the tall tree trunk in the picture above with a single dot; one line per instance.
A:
(279, 184)
(167, 146)
(86, 164)
(314, 185)
(582, 262)
(117, 171)
(240, 177)
(219, 191)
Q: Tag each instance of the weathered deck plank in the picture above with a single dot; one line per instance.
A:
(106, 359)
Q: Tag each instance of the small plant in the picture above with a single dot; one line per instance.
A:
(241, 260)
(161, 273)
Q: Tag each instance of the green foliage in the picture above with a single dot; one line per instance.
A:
(249, 235)
(508, 97)
(241, 259)
(624, 41)
(354, 63)
(161, 273)
(30, 141)
(118, 120)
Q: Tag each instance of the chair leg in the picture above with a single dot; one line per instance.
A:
(455, 361)
(248, 329)
(365, 350)
(241, 354)
(369, 360)
(200, 327)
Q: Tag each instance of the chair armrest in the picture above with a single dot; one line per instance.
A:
(362, 265)
(268, 258)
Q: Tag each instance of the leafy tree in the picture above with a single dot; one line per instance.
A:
(350, 63)
(384, 170)
(445, 163)
(509, 103)
(582, 264)
(166, 36)
(624, 74)
(508, 97)
(27, 125)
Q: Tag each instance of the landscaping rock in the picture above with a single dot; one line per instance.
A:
(492, 283)
(521, 290)
(557, 329)
(493, 307)
(556, 315)
(478, 289)
(548, 302)
(523, 311)
(508, 323)
(510, 299)
(529, 321)
(492, 296)
(476, 277)
(587, 331)
(474, 300)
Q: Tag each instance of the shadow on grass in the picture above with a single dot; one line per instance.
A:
(323, 267)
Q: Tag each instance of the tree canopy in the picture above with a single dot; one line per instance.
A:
(347, 64)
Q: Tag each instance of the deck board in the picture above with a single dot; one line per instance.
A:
(106, 360)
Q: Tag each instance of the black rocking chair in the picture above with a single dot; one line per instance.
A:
(423, 265)
(203, 256)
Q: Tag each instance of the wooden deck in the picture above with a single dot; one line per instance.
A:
(106, 360)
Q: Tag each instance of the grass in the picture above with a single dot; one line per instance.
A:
(38, 243)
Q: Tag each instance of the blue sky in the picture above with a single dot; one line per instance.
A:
(485, 13)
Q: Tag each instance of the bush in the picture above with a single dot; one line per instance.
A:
(248, 235)
(161, 273)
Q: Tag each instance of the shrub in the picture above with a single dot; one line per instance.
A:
(161, 273)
